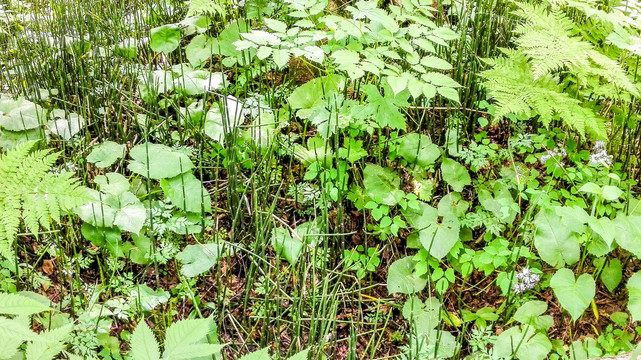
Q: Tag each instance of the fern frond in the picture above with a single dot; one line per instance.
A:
(512, 85)
(547, 39)
(205, 7)
(30, 193)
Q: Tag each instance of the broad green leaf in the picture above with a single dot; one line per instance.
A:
(435, 63)
(158, 161)
(556, 244)
(611, 193)
(196, 24)
(263, 52)
(276, 25)
(634, 295)
(446, 344)
(455, 174)
(418, 149)
(142, 245)
(165, 38)
(303, 355)
(195, 351)
(531, 313)
(49, 343)
(16, 304)
(438, 237)
(146, 298)
(423, 316)
(353, 150)
(131, 217)
(574, 217)
(382, 184)
(524, 345)
(440, 80)
(144, 345)
(445, 33)
(103, 237)
(397, 83)
(386, 108)
(260, 37)
(20, 114)
(401, 278)
(199, 258)
(281, 57)
(628, 233)
(500, 202)
(187, 193)
(574, 295)
(591, 188)
(185, 332)
(106, 154)
(286, 245)
(346, 58)
(219, 124)
(429, 91)
(612, 274)
(66, 126)
(16, 329)
(11, 139)
(369, 10)
(312, 93)
(199, 82)
(449, 93)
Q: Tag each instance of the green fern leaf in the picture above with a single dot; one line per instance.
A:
(31, 194)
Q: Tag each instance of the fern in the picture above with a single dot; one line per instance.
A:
(549, 56)
(512, 84)
(546, 38)
(30, 193)
(205, 7)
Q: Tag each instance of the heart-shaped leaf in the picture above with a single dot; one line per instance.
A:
(187, 192)
(455, 174)
(611, 274)
(382, 184)
(526, 344)
(556, 243)
(197, 259)
(634, 300)
(418, 149)
(574, 295)
(165, 38)
(158, 161)
(106, 154)
(401, 277)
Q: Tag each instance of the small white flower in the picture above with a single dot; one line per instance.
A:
(600, 154)
(526, 280)
(558, 151)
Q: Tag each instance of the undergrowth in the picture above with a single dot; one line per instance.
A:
(319, 179)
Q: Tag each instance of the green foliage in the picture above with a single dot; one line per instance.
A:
(32, 194)
(15, 331)
(185, 339)
(199, 258)
(361, 261)
(157, 161)
(402, 279)
(165, 38)
(634, 289)
(455, 174)
(574, 295)
(106, 154)
(526, 80)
